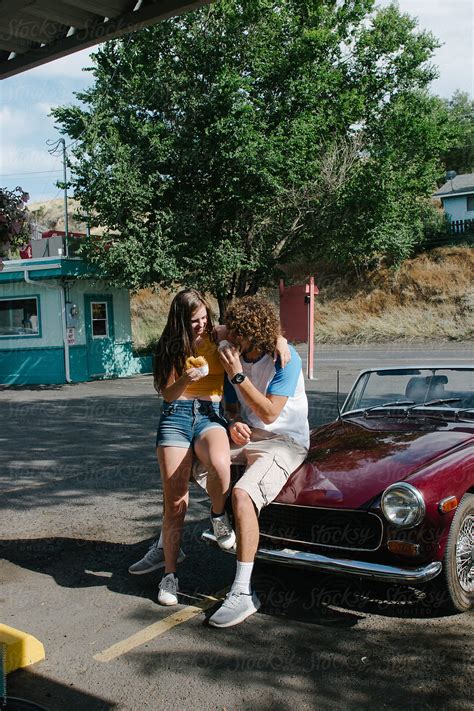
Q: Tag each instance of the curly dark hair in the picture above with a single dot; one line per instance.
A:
(255, 319)
(177, 340)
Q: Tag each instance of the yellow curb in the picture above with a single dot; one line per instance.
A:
(22, 649)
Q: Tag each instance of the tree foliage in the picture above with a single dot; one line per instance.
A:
(459, 155)
(221, 144)
(15, 224)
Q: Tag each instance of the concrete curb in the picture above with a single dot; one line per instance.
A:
(22, 649)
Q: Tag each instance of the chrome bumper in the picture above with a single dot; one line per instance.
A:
(343, 566)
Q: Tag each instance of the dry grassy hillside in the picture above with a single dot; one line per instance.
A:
(149, 313)
(429, 297)
(50, 214)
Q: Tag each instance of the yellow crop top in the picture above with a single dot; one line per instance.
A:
(212, 384)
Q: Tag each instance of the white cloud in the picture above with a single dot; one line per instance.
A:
(22, 159)
(25, 128)
(44, 107)
(24, 91)
(14, 123)
(70, 66)
(453, 24)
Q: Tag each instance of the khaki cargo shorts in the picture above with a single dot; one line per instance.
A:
(269, 460)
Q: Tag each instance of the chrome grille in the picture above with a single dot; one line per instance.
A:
(325, 528)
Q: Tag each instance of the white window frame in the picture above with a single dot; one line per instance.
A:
(33, 334)
(104, 335)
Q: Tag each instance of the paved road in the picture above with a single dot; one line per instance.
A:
(81, 499)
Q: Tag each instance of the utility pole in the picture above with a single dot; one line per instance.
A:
(53, 151)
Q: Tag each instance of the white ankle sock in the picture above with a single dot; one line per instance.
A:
(242, 578)
(160, 540)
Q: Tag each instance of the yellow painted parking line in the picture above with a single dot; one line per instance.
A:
(157, 628)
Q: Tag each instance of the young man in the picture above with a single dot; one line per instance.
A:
(269, 432)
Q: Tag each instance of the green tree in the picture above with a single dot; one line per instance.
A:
(385, 204)
(459, 156)
(15, 224)
(209, 144)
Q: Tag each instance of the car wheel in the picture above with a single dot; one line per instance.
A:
(458, 566)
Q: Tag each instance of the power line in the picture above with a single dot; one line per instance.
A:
(35, 172)
(43, 192)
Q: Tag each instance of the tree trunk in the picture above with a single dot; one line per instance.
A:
(241, 284)
(253, 286)
(223, 302)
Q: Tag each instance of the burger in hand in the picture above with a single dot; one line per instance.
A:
(199, 362)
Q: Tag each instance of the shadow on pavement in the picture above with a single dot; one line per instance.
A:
(326, 670)
(34, 388)
(58, 450)
(80, 447)
(80, 563)
(338, 600)
(297, 595)
(52, 695)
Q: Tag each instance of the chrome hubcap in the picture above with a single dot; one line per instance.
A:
(465, 555)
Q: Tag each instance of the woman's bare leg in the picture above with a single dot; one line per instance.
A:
(175, 467)
(212, 449)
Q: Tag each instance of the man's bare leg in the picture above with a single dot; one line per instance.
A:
(241, 602)
(246, 524)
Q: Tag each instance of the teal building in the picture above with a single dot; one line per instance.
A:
(61, 324)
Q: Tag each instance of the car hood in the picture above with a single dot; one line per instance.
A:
(353, 460)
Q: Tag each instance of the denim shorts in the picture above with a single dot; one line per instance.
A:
(183, 421)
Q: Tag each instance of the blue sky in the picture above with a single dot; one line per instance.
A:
(27, 98)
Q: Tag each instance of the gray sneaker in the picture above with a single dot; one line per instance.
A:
(223, 531)
(168, 590)
(235, 609)
(153, 560)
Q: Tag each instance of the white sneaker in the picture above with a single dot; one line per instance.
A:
(168, 590)
(153, 560)
(235, 609)
(223, 532)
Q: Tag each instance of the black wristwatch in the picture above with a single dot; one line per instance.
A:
(238, 378)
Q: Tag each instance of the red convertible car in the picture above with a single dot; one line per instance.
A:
(387, 490)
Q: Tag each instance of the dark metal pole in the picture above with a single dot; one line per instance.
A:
(66, 222)
(52, 151)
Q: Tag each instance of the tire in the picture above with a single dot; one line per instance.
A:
(457, 576)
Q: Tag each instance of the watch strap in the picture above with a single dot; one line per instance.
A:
(238, 378)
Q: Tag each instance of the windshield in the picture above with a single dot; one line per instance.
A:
(413, 385)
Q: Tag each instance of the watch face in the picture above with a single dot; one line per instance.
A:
(238, 378)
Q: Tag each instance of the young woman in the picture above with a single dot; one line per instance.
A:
(191, 423)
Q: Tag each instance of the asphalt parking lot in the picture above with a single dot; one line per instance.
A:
(81, 500)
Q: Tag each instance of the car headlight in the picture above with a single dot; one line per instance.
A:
(403, 505)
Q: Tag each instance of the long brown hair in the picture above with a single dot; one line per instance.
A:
(177, 340)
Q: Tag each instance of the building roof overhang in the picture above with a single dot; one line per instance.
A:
(462, 184)
(33, 32)
(46, 268)
(455, 193)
